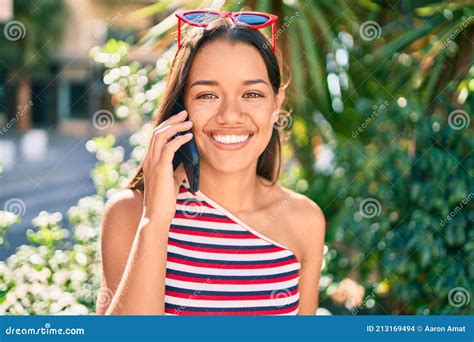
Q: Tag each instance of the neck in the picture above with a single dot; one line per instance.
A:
(235, 191)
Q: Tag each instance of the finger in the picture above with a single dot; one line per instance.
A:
(168, 132)
(181, 116)
(171, 147)
(161, 137)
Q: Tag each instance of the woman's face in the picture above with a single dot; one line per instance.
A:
(230, 100)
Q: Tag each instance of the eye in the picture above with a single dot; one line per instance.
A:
(206, 96)
(253, 95)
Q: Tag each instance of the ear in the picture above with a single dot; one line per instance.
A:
(280, 98)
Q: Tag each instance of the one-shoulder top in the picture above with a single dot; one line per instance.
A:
(218, 265)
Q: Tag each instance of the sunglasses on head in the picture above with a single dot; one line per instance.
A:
(201, 18)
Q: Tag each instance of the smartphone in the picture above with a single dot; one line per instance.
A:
(188, 155)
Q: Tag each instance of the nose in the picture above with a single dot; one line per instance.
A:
(230, 112)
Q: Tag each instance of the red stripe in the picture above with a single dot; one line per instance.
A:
(226, 251)
(229, 266)
(193, 203)
(232, 281)
(196, 296)
(201, 217)
(232, 313)
(183, 190)
(212, 234)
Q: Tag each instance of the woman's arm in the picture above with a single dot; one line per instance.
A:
(134, 260)
(313, 231)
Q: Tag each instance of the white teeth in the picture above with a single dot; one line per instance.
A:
(230, 139)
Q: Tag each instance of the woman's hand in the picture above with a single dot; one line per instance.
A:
(161, 183)
(141, 285)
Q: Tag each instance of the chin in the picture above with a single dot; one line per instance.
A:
(227, 164)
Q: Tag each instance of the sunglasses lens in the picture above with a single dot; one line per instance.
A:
(252, 19)
(201, 17)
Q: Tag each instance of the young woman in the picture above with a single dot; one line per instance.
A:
(241, 245)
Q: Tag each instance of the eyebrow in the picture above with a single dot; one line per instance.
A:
(215, 83)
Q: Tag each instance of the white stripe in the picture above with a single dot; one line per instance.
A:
(230, 272)
(232, 227)
(219, 240)
(283, 285)
(276, 303)
(229, 256)
(196, 210)
(292, 313)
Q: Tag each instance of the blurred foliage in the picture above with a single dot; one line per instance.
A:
(31, 36)
(54, 275)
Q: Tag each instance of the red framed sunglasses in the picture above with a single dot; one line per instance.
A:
(201, 18)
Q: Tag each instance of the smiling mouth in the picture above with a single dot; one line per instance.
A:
(230, 139)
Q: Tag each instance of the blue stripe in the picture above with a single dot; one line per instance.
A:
(261, 308)
(206, 245)
(231, 262)
(226, 277)
(197, 212)
(227, 293)
(212, 230)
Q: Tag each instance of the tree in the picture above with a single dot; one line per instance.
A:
(26, 44)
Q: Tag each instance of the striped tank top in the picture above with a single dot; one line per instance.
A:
(217, 265)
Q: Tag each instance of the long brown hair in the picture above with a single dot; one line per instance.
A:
(172, 101)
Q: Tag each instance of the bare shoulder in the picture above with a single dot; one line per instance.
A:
(306, 220)
(125, 204)
(124, 199)
(122, 214)
(303, 209)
